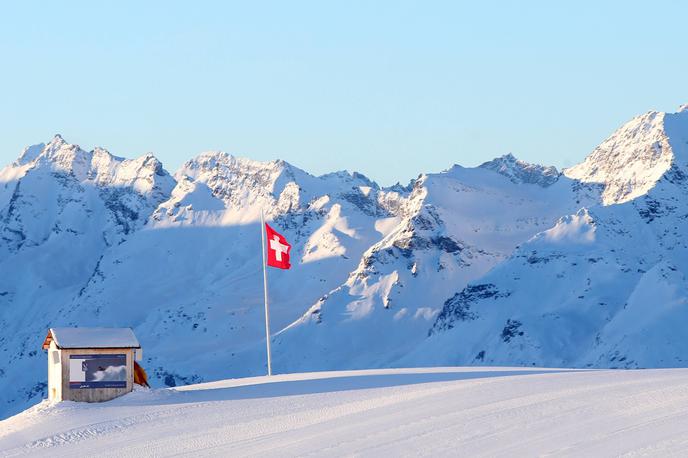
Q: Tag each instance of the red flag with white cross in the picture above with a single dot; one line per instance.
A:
(278, 249)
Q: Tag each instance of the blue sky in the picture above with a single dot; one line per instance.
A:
(390, 89)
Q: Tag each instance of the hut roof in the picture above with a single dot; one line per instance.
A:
(91, 338)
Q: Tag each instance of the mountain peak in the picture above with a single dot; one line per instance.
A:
(219, 163)
(57, 138)
(350, 177)
(634, 158)
(98, 166)
(683, 108)
(522, 172)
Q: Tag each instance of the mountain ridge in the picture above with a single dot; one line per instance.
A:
(505, 263)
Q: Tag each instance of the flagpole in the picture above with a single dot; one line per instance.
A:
(265, 290)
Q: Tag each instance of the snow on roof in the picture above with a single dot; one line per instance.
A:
(92, 338)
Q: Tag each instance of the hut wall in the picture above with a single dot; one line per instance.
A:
(54, 373)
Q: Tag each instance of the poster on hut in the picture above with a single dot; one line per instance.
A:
(98, 371)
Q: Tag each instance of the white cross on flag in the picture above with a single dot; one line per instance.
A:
(278, 249)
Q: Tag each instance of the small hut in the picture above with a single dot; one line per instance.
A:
(90, 364)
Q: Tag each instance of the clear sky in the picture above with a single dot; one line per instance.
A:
(390, 89)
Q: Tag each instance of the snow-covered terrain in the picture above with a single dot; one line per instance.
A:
(508, 263)
(604, 287)
(457, 225)
(394, 412)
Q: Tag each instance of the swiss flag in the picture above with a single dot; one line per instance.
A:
(278, 249)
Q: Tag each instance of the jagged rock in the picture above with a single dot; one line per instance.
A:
(522, 172)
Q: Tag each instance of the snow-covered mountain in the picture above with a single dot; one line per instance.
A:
(605, 286)
(452, 229)
(89, 238)
(505, 263)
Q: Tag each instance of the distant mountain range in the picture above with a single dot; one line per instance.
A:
(506, 263)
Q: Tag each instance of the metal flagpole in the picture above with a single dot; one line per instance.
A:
(265, 290)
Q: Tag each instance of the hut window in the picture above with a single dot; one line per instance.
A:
(56, 357)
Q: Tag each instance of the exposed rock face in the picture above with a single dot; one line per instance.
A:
(522, 172)
(632, 160)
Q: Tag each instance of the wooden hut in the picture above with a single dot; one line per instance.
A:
(90, 364)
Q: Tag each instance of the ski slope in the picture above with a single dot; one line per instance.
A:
(393, 412)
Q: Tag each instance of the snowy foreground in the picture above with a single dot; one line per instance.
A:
(439, 411)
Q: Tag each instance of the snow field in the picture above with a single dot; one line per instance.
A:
(393, 412)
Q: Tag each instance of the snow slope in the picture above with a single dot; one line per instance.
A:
(399, 412)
